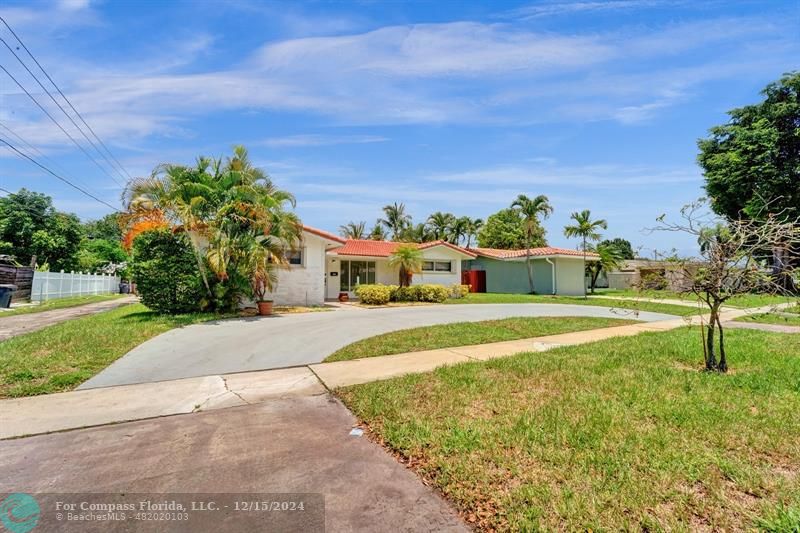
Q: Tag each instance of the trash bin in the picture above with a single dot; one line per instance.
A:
(124, 288)
(5, 294)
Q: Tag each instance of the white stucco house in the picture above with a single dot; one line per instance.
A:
(325, 265)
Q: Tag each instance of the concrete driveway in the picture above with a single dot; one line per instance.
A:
(300, 446)
(239, 345)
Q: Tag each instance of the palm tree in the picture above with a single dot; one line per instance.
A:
(439, 224)
(396, 219)
(473, 227)
(587, 230)
(457, 230)
(416, 233)
(378, 232)
(354, 230)
(610, 259)
(530, 209)
(231, 205)
(409, 258)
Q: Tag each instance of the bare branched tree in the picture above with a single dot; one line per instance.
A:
(734, 259)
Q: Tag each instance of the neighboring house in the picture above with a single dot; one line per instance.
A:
(650, 274)
(367, 261)
(555, 270)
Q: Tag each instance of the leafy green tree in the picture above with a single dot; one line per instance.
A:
(751, 164)
(622, 246)
(95, 254)
(531, 209)
(506, 230)
(396, 219)
(31, 226)
(439, 225)
(107, 228)
(409, 260)
(587, 230)
(354, 230)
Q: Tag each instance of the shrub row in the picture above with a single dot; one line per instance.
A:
(379, 294)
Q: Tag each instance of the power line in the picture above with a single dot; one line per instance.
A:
(99, 140)
(41, 155)
(65, 180)
(63, 111)
(46, 112)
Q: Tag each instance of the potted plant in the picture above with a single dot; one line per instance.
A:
(263, 282)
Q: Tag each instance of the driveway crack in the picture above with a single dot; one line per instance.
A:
(225, 382)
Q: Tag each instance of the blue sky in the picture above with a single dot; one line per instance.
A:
(452, 106)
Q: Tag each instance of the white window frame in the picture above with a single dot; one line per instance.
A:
(435, 270)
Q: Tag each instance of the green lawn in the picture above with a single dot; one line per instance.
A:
(772, 318)
(60, 357)
(502, 298)
(742, 301)
(622, 434)
(60, 303)
(466, 333)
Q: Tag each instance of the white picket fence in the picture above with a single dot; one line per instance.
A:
(52, 285)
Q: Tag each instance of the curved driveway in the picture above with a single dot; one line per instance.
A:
(239, 345)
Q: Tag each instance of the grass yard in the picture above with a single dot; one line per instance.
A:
(772, 318)
(465, 333)
(502, 298)
(622, 434)
(742, 301)
(60, 303)
(60, 357)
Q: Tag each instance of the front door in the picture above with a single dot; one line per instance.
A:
(355, 273)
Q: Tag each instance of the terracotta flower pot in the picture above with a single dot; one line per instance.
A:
(344, 297)
(265, 308)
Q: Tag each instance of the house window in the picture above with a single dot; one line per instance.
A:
(294, 257)
(437, 266)
(354, 273)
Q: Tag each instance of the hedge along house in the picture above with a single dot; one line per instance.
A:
(555, 270)
(366, 261)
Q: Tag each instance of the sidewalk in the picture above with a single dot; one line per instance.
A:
(100, 406)
(14, 325)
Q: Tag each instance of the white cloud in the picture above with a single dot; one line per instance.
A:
(299, 141)
(548, 9)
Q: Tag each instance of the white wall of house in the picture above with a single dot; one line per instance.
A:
(569, 276)
(440, 253)
(303, 284)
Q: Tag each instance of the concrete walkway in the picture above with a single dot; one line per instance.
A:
(261, 343)
(98, 406)
(11, 326)
(773, 328)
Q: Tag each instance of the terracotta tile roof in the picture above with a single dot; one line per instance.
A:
(369, 248)
(496, 253)
(324, 234)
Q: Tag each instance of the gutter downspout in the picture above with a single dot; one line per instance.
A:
(553, 270)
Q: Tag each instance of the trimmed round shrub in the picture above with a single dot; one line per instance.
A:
(375, 294)
(166, 273)
(406, 294)
(432, 293)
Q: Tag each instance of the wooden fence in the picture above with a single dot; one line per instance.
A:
(22, 277)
